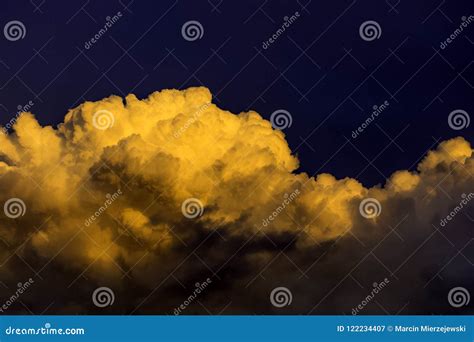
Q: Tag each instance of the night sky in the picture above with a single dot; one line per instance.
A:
(320, 70)
(323, 71)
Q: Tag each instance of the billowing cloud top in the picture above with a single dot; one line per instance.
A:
(105, 201)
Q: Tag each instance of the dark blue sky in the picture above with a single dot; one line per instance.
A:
(319, 69)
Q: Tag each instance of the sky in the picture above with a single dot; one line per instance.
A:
(320, 70)
(204, 182)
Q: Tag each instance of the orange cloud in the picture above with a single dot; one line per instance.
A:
(172, 146)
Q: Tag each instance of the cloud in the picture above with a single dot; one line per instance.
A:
(104, 192)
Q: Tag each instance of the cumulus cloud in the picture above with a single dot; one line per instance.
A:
(104, 192)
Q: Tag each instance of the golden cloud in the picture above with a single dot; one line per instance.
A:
(104, 191)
